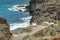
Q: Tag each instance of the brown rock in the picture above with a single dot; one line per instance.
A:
(4, 30)
(44, 8)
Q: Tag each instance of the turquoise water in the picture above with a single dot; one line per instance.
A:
(12, 16)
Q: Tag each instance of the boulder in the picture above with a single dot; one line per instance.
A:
(4, 30)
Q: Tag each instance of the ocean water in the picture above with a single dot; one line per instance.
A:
(16, 19)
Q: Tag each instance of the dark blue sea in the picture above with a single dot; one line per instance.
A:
(16, 19)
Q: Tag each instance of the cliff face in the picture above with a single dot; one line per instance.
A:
(44, 10)
(4, 30)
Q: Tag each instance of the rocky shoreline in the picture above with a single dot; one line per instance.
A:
(45, 23)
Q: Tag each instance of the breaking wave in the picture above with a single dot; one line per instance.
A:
(26, 23)
(16, 8)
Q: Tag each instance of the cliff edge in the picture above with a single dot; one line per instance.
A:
(4, 30)
(44, 10)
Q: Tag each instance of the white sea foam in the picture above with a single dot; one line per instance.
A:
(10, 9)
(18, 8)
(26, 19)
(13, 9)
(26, 23)
(18, 25)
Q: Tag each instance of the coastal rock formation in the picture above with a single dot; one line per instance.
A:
(45, 33)
(41, 11)
(4, 30)
(44, 10)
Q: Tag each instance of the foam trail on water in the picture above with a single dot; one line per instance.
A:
(26, 23)
(26, 19)
(19, 25)
(18, 8)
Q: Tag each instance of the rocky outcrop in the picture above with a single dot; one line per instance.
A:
(4, 30)
(43, 34)
(44, 10)
(46, 32)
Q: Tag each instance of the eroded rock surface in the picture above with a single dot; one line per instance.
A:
(4, 30)
(44, 10)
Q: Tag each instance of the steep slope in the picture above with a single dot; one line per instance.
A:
(4, 30)
(44, 10)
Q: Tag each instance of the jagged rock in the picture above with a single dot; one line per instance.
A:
(4, 30)
(43, 9)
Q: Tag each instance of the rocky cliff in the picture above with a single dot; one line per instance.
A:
(41, 10)
(43, 34)
(4, 30)
(44, 10)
